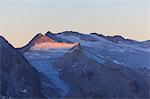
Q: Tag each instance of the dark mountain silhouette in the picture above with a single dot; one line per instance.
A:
(17, 77)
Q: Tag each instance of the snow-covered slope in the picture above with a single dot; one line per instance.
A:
(84, 39)
(90, 76)
(56, 38)
(43, 42)
(43, 61)
(44, 65)
(43, 55)
(52, 45)
(96, 67)
(132, 53)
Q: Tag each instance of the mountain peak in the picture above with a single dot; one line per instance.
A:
(40, 34)
(115, 38)
(70, 33)
(119, 37)
(48, 32)
(40, 38)
(2, 39)
(4, 42)
(11, 61)
(99, 35)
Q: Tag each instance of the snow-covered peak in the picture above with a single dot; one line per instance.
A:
(38, 39)
(42, 38)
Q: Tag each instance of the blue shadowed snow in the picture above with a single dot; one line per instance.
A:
(45, 66)
(94, 57)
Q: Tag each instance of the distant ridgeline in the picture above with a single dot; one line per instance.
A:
(75, 65)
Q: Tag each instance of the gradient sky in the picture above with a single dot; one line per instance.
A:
(20, 20)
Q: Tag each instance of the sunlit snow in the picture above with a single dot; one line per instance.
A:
(52, 45)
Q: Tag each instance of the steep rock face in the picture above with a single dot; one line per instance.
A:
(90, 79)
(18, 78)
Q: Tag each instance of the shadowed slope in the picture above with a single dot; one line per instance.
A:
(18, 78)
(90, 79)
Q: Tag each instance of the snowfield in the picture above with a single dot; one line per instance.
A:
(90, 65)
(52, 45)
(43, 63)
